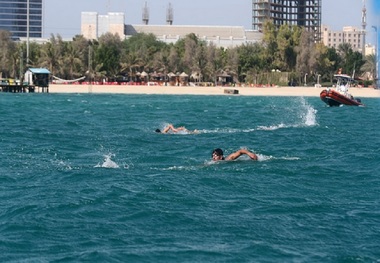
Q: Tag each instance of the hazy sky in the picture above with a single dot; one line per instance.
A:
(64, 17)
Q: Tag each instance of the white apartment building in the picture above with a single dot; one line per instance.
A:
(370, 49)
(94, 25)
(349, 34)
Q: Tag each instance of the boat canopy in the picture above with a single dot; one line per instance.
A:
(343, 76)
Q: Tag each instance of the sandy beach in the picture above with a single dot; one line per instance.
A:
(218, 90)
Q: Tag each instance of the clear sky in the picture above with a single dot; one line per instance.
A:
(64, 17)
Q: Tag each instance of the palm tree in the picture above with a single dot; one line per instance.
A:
(7, 47)
(200, 61)
(72, 61)
(369, 67)
(131, 62)
(232, 66)
(161, 62)
(108, 53)
(52, 55)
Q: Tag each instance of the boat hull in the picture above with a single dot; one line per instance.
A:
(334, 98)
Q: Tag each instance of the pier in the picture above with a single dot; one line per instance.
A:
(21, 88)
(16, 88)
(35, 80)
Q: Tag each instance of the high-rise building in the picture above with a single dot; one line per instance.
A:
(304, 13)
(14, 17)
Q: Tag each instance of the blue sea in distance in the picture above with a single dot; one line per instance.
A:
(84, 178)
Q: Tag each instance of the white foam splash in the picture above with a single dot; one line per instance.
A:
(289, 158)
(227, 130)
(262, 158)
(63, 165)
(272, 127)
(108, 163)
(309, 114)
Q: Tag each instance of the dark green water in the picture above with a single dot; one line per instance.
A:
(86, 178)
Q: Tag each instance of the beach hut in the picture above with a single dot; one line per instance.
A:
(38, 77)
(172, 78)
(157, 77)
(144, 76)
(223, 78)
(183, 79)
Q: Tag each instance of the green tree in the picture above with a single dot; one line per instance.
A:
(51, 56)
(325, 64)
(251, 61)
(335, 62)
(7, 47)
(131, 64)
(306, 61)
(108, 54)
(369, 66)
(270, 43)
(190, 46)
(144, 47)
(232, 64)
(161, 62)
(174, 60)
(200, 61)
(215, 61)
(287, 39)
(351, 61)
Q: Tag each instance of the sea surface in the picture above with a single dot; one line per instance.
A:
(85, 178)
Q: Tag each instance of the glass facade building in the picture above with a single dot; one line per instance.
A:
(14, 17)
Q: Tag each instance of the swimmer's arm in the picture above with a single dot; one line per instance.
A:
(240, 152)
(181, 129)
(168, 128)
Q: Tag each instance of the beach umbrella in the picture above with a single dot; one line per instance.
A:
(154, 75)
(144, 74)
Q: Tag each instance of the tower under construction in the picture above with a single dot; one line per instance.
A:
(304, 13)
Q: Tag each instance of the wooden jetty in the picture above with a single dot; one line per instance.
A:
(36, 80)
(16, 88)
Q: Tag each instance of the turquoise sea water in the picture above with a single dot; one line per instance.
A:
(86, 178)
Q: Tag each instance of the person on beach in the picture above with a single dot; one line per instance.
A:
(171, 129)
(217, 155)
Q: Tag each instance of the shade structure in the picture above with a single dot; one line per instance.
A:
(144, 74)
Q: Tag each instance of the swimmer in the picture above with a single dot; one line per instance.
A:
(171, 129)
(217, 155)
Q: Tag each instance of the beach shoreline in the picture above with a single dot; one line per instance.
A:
(196, 90)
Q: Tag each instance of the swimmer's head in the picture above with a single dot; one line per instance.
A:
(217, 154)
(158, 130)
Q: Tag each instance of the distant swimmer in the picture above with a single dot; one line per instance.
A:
(171, 129)
(217, 155)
